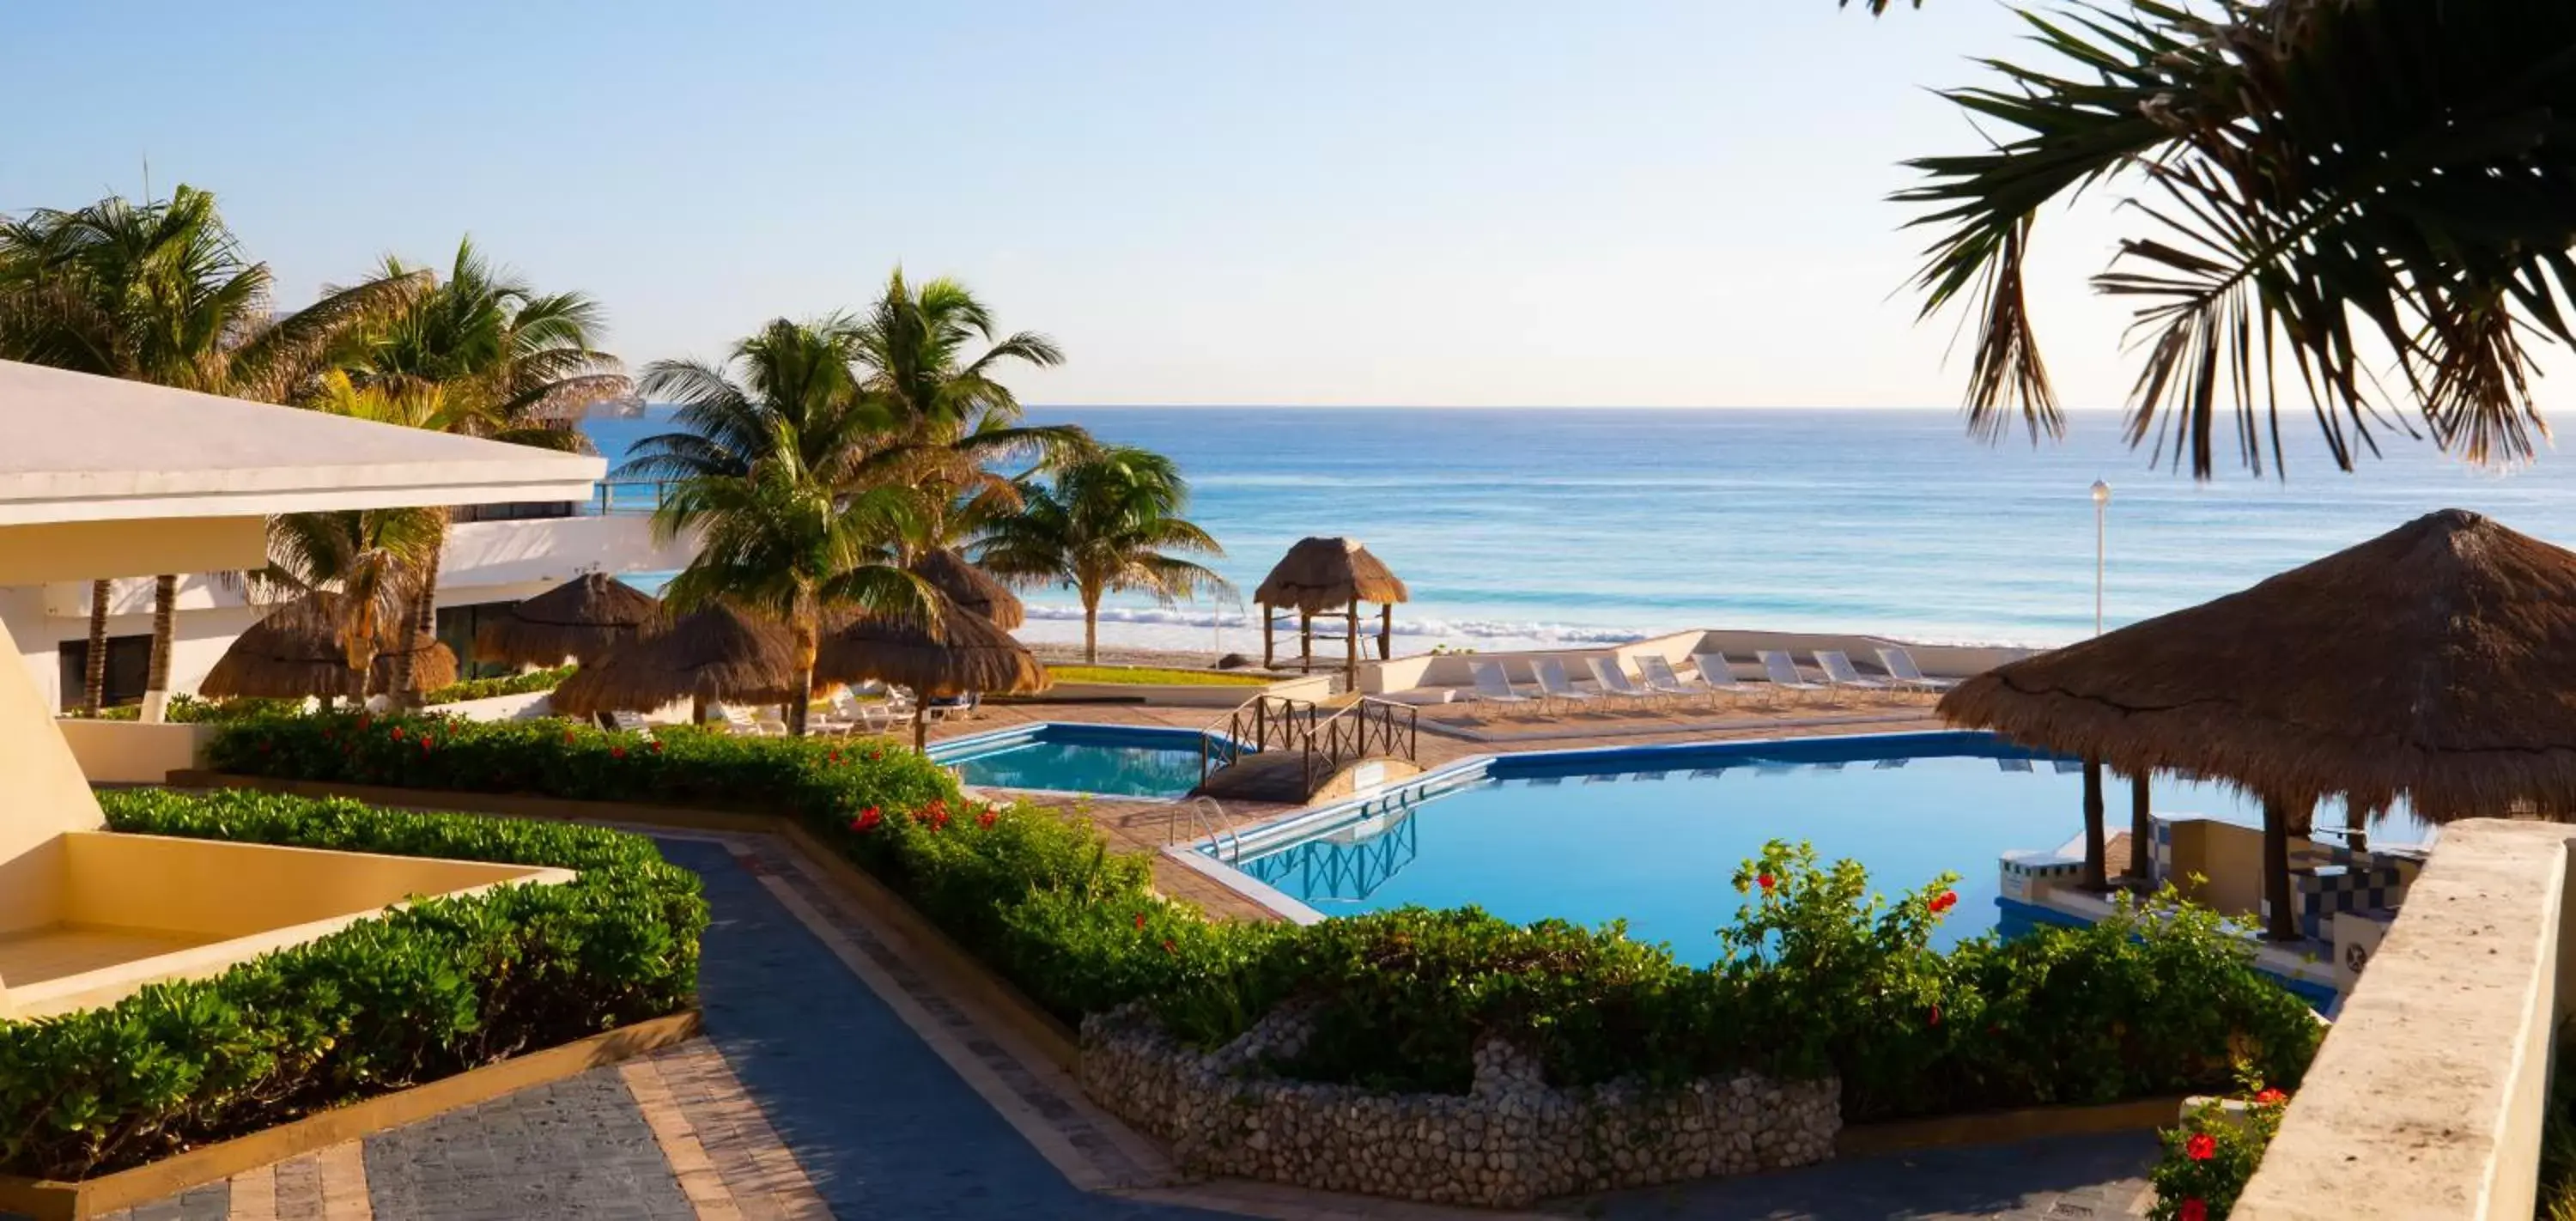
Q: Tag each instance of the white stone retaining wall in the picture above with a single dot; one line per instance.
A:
(1511, 1140)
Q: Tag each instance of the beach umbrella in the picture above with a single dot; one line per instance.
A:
(581, 619)
(299, 649)
(1319, 575)
(2435, 663)
(716, 654)
(971, 587)
(968, 654)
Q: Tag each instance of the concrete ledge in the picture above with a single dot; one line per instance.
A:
(131, 752)
(515, 805)
(52, 1200)
(2006, 1127)
(2426, 1100)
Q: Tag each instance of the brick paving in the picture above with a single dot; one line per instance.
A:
(575, 1148)
(2067, 1178)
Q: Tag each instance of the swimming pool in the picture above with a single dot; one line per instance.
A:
(1654, 834)
(1115, 760)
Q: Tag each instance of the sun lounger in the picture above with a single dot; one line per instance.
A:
(744, 725)
(1718, 675)
(1661, 679)
(1782, 670)
(1840, 672)
(1493, 686)
(1553, 684)
(954, 707)
(1901, 664)
(629, 722)
(1613, 680)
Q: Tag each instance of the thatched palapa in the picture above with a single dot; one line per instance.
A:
(711, 655)
(299, 650)
(1328, 574)
(969, 654)
(971, 587)
(581, 619)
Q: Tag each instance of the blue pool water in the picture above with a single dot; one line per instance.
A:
(1117, 760)
(1654, 835)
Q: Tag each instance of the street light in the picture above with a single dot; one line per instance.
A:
(2101, 500)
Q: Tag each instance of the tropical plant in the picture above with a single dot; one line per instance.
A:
(161, 292)
(371, 558)
(2333, 193)
(1107, 522)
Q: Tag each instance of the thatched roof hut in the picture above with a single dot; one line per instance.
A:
(581, 619)
(2436, 663)
(971, 587)
(296, 650)
(1320, 575)
(968, 655)
(714, 654)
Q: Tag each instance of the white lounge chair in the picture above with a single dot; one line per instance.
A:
(1613, 680)
(1841, 673)
(849, 714)
(1901, 664)
(1661, 679)
(1552, 683)
(630, 722)
(1782, 670)
(1718, 675)
(1493, 686)
(744, 725)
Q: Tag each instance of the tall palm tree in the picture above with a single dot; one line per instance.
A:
(1107, 522)
(161, 292)
(765, 486)
(2364, 209)
(504, 361)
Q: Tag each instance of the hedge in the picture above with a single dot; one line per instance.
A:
(423, 992)
(1821, 975)
(507, 684)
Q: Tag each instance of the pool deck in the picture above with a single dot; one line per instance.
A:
(1449, 733)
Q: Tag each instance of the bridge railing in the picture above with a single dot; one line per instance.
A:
(1264, 722)
(1358, 730)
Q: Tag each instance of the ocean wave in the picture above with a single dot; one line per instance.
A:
(1534, 631)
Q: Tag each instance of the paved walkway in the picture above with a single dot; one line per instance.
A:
(835, 1081)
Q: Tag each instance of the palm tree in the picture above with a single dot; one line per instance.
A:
(373, 558)
(505, 362)
(161, 292)
(2333, 196)
(1099, 524)
(765, 485)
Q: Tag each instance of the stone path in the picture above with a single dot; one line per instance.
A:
(837, 1081)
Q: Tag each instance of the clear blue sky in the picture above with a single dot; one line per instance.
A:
(1327, 202)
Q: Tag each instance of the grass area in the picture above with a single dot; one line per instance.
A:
(1143, 675)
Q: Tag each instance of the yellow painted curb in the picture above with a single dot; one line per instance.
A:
(53, 1200)
(2005, 1127)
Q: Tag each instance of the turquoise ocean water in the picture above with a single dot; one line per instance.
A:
(1518, 528)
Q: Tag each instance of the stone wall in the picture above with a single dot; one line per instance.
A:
(1511, 1140)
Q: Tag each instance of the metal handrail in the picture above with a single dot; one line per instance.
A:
(1207, 820)
(1264, 722)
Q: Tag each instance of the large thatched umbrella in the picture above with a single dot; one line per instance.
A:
(2435, 663)
(581, 619)
(1325, 574)
(968, 655)
(300, 649)
(971, 587)
(718, 653)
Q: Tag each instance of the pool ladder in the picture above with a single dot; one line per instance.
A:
(1204, 820)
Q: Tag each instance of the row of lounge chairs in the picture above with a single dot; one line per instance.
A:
(844, 713)
(1715, 680)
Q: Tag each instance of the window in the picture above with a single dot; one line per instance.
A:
(129, 667)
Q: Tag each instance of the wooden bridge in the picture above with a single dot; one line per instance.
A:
(1278, 749)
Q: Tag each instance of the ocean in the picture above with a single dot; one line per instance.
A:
(1526, 528)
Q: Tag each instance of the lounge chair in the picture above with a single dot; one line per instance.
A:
(630, 722)
(1782, 670)
(1901, 664)
(1552, 683)
(1493, 686)
(1613, 680)
(1718, 675)
(954, 707)
(742, 724)
(1661, 679)
(849, 714)
(1841, 673)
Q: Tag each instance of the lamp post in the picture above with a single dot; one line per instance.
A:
(2101, 500)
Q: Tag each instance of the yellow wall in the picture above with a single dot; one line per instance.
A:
(42, 790)
(232, 890)
(130, 752)
(90, 550)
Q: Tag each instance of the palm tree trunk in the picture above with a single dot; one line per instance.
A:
(803, 695)
(156, 690)
(1090, 626)
(96, 693)
(407, 692)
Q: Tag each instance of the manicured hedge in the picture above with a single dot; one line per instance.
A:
(424, 992)
(507, 684)
(1821, 975)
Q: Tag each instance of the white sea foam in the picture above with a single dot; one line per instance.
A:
(1164, 624)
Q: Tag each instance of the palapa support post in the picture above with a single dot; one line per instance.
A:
(1351, 651)
(2279, 922)
(2356, 831)
(1269, 621)
(1305, 641)
(1386, 631)
(921, 725)
(2142, 833)
(2095, 875)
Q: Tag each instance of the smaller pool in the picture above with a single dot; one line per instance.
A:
(1115, 760)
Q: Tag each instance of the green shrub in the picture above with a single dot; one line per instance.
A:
(186, 709)
(2213, 1153)
(420, 993)
(507, 684)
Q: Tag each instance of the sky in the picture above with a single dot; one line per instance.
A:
(1330, 202)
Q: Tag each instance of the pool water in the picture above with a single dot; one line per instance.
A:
(1122, 761)
(1655, 836)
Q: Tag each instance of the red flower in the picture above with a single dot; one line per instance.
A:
(567, 737)
(1935, 1018)
(2193, 1209)
(987, 818)
(426, 742)
(834, 757)
(2270, 1098)
(1140, 921)
(867, 819)
(326, 735)
(616, 752)
(365, 721)
(2201, 1147)
(1169, 948)
(657, 746)
(397, 733)
(1766, 882)
(938, 816)
(1944, 901)
(875, 755)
